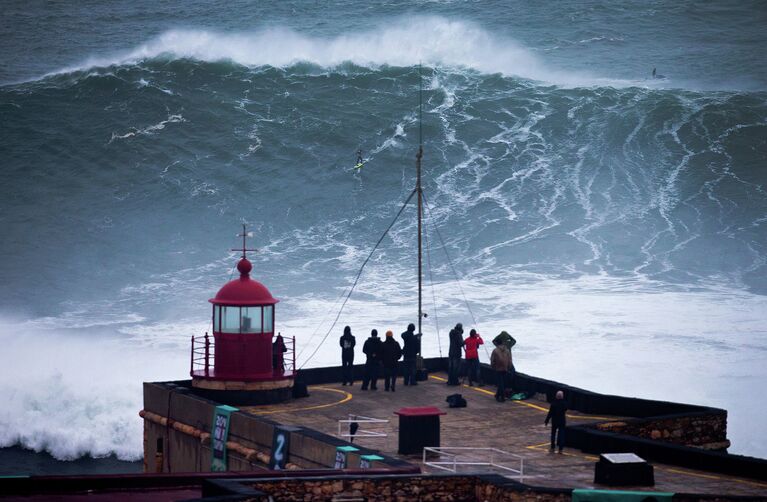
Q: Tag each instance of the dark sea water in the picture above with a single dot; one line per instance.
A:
(614, 223)
(19, 461)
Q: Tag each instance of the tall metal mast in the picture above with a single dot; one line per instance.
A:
(420, 192)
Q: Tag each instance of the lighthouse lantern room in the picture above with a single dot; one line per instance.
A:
(249, 363)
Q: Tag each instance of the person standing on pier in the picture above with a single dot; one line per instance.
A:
(454, 354)
(557, 415)
(390, 354)
(472, 356)
(509, 342)
(410, 349)
(347, 356)
(500, 361)
(372, 349)
(278, 355)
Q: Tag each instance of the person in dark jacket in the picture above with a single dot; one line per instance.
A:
(557, 415)
(390, 354)
(372, 349)
(410, 349)
(278, 357)
(347, 343)
(454, 354)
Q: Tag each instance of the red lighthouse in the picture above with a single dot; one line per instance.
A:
(250, 364)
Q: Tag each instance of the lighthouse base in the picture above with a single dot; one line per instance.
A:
(244, 393)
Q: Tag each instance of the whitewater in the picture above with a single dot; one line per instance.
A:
(613, 223)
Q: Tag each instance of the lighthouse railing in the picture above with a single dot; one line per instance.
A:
(289, 356)
(202, 351)
(285, 363)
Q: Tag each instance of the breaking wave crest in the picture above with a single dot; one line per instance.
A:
(432, 41)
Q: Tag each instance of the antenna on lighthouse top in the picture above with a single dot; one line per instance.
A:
(245, 234)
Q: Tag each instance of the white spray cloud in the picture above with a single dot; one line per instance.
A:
(431, 40)
(74, 395)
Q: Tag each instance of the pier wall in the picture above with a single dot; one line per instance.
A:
(434, 487)
(672, 433)
(178, 425)
(703, 430)
(266, 486)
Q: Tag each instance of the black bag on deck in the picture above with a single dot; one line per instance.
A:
(456, 401)
(299, 387)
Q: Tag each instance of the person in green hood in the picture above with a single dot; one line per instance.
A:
(505, 339)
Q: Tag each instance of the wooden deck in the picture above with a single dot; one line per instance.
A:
(513, 426)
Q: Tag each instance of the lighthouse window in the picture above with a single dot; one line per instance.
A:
(230, 319)
(251, 320)
(268, 319)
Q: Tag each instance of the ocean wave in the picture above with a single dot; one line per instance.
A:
(404, 42)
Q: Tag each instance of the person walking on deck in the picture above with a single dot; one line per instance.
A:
(372, 349)
(509, 341)
(347, 343)
(557, 416)
(454, 354)
(472, 343)
(390, 354)
(411, 346)
(500, 361)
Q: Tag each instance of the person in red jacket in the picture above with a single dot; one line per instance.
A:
(471, 345)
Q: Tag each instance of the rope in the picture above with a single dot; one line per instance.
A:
(327, 314)
(356, 279)
(433, 295)
(455, 273)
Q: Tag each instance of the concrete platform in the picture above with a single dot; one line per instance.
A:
(513, 426)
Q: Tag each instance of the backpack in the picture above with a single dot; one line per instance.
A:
(456, 401)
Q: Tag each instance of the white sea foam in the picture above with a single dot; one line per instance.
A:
(431, 40)
(149, 130)
(74, 395)
(145, 83)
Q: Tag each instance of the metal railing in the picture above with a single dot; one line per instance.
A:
(467, 456)
(204, 351)
(362, 431)
(289, 357)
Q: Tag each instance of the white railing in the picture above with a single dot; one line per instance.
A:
(456, 456)
(364, 430)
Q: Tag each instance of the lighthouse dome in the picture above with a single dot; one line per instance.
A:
(244, 290)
